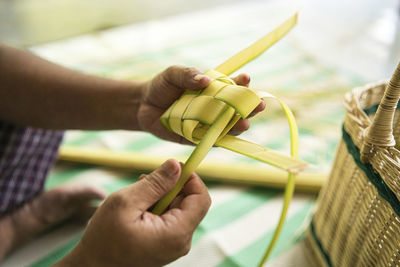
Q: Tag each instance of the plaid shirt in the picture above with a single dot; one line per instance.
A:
(26, 155)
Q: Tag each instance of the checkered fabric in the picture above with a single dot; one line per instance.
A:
(26, 154)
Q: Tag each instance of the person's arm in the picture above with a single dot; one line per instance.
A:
(36, 92)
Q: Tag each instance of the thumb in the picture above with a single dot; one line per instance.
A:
(155, 185)
(186, 77)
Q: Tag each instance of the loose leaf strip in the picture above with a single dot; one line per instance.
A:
(248, 54)
(195, 158)
(240, 102)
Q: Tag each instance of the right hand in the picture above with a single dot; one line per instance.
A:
(44, 212)
(123, 232)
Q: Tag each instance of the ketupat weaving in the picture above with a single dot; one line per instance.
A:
(357, 222)
(242, 218)
(225, 103)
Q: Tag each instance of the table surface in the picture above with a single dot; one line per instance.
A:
(242, 218)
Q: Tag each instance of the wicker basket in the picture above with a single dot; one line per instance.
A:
(357, 220)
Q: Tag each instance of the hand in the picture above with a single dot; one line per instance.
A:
(45, 211)
(123, 232)
(168, 86)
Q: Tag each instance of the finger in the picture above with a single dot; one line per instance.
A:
(150, 189)
(76, 195)
(176, 203)
(78, 201)
(241, 126)
(193, 207)
(60, 203)
(171, 83)
(258, 109)
(178, 199)
(242, 79)
(186, 77)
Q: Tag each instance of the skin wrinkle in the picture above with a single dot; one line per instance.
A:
(164, 83)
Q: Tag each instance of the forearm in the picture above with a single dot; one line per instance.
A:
(6, 236)
(38, 93)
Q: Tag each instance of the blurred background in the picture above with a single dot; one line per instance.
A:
(336, 46)
(366, 32)
(30, 22)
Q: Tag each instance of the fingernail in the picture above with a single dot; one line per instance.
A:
(198, 77)
(169, 167)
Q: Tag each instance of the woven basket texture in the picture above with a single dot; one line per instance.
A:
(357, 222)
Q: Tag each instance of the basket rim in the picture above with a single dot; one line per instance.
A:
(361, 102)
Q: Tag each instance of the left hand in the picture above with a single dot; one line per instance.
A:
(168, 86)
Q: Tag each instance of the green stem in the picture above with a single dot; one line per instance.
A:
(195, 158)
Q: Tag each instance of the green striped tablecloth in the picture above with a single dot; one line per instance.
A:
(241, 220)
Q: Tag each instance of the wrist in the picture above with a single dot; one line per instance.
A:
(77, 257)
(122, 105)
(137, 96)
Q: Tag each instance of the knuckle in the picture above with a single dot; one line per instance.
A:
(178, 243)
(208, 201)
(115, 200)
(185, 249)
(205, 208)
(171, 69)
(155, 182)
(186, 76)
(174, 75)
(181, 244)
(187, 71)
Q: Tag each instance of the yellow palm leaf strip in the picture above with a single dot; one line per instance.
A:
(245, 56)
(196, 114)
(195, 158)
(263, 154)
(175, 114)
(239, 101)
(294, 145)
(223, 107)
(237, 173)
(221, 81)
